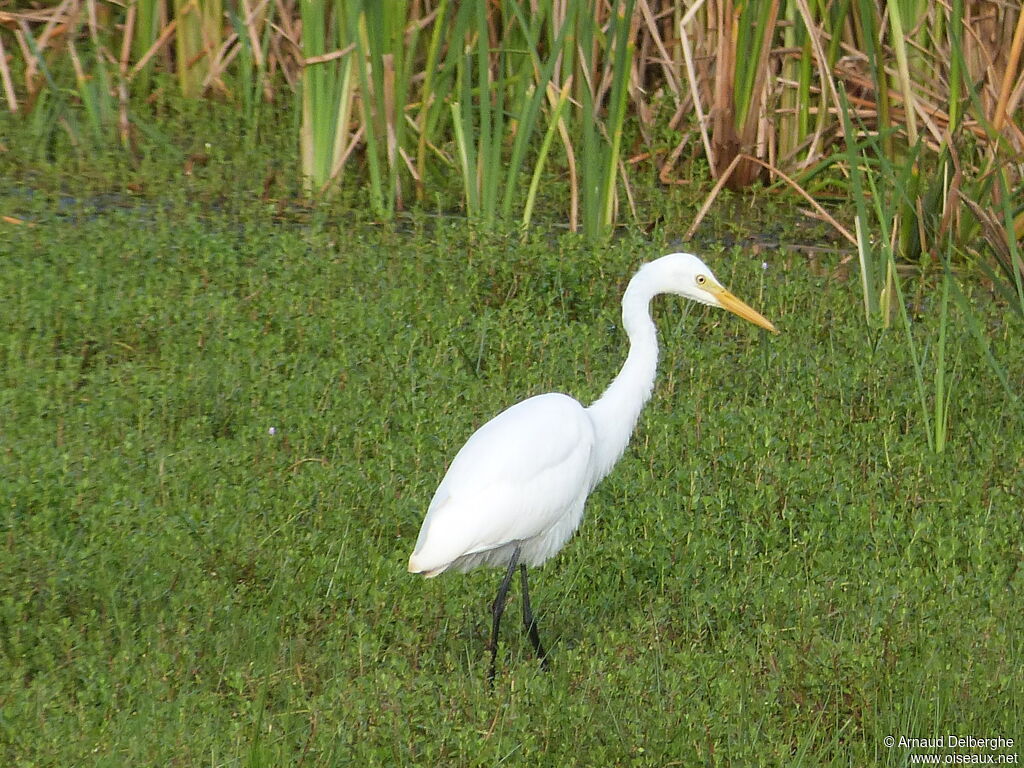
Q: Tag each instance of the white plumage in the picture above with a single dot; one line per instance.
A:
(523, 477)
(515, 492)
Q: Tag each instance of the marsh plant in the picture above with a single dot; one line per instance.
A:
(898, 122)
(221, 431)
(396, 95)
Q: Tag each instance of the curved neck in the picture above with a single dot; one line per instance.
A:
(615, 413)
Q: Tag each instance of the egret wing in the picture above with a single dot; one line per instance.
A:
(514, 479)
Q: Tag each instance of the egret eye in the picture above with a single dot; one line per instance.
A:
(701, 279)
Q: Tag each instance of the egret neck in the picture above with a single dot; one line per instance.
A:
(615, 413)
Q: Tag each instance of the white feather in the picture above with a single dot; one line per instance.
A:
(512, 482)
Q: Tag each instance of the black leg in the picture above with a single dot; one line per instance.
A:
(530, 623)
(497, 609)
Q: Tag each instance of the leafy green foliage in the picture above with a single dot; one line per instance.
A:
(221, 430)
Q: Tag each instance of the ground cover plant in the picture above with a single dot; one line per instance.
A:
(265, 265)
(221, 425)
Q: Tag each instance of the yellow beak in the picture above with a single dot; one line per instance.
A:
(744, 310)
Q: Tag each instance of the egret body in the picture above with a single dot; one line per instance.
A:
(515, 492)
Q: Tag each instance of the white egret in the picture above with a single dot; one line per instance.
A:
(515, 492)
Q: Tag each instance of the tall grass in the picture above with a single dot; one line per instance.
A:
(497, 86)
(499, 93)
(197, 38)
(605, 79)
(144, 33)
(328, 89)
(494, 94)
(916, 209)
(252, 30)
(384, 66)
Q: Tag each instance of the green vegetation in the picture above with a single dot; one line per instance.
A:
(909, 110)
(265, 266)
(399, 95)
(221, 428)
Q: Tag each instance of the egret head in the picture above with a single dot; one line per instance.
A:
(686, 275)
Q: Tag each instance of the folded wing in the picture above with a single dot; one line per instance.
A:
(517, 477)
